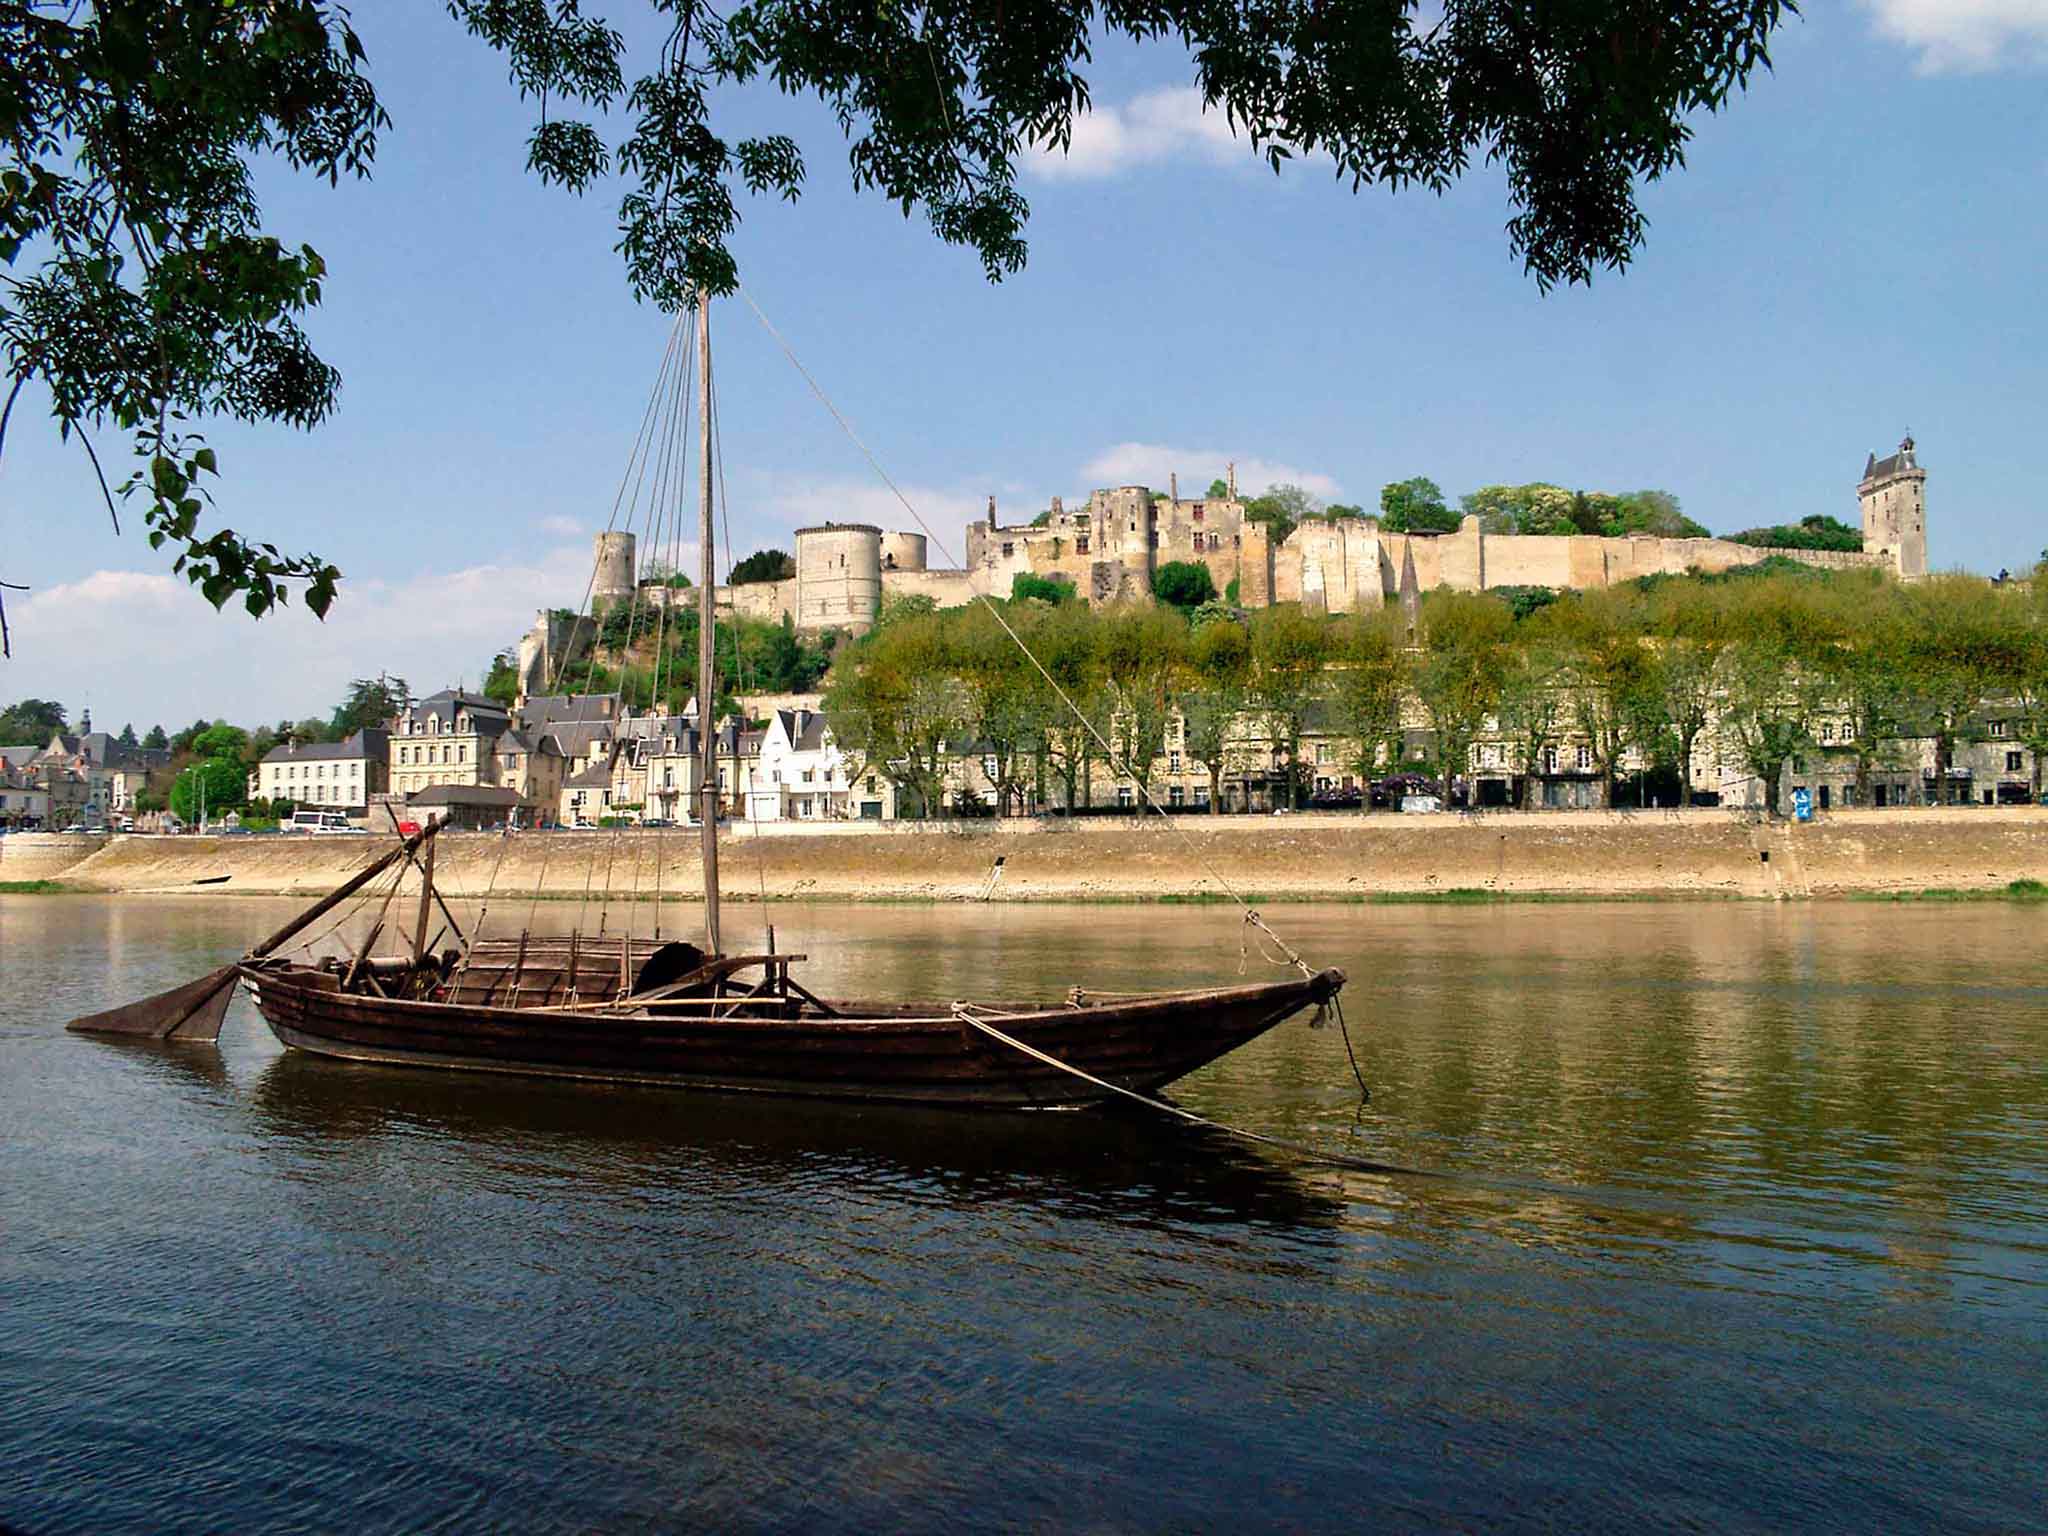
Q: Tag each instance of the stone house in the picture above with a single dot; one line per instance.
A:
(24, 799)
(478, 807)
(450, 737)
(112, 774)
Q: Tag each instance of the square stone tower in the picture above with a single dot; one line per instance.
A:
(1894, 496)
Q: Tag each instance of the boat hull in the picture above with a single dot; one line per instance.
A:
(920, 1055)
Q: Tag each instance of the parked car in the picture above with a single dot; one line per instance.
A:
(1393, 789)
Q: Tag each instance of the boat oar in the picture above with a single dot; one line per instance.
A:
(189, 1012)
(194, 1010)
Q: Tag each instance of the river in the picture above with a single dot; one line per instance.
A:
(1721, 1217)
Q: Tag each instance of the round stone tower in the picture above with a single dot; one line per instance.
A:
(838, 576)
(903, 552)
(614, 568)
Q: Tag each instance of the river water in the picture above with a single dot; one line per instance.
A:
(1723, 1217)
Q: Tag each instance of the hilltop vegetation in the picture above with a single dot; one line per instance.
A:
(1816, 532)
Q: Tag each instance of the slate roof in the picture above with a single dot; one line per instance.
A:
(371, 741)
(488, 795)
(573, 740)
(1877, 468)
(805, 729)
(486, 716)
(597, 776)
(545, 709)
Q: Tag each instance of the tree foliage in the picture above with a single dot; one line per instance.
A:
(1183, 584)
(225, 785)
(1025, 587)
(763, 565)
(155, 295)
(372, 701)
(1540, 508)
(30, 723)
(1816, 532)
(144, 293)
(1282, 508)
(1415, 506)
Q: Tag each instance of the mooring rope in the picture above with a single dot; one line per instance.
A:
(977, 1017)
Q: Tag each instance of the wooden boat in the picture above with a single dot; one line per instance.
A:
(787, 1041)
(637, 1010)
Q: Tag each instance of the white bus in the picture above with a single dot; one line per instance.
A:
(320, 821)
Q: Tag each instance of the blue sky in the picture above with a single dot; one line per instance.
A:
(1856, 249)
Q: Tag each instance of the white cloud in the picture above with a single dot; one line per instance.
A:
(1150, 464)
(143, 647)
(1966, 35)
(1166, 124)
(562, 527)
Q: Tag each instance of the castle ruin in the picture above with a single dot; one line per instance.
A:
(1109, 549)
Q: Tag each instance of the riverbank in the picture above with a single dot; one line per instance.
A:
(1553, 856)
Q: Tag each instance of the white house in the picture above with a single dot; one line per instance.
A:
(338, 774)
(800, 774)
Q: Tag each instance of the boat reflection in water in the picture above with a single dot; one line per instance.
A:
(1111, 1165)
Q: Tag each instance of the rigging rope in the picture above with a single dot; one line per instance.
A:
(1115, 760)
(739, 669)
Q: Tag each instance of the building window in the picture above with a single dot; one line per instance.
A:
(1999, 728)
(1585, 759)
(2012, 762)
(1081, 544)
(1198, 511)
(988, 768)
(1827, 731)
(1125, 796)
(1008, 550)
(1173, 764)
(1175, 795)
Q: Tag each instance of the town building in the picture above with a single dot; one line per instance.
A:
(24, 798)
(93, 776)
(799, 773)
(337, 775)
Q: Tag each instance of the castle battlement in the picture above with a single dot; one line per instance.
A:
(1109, 549)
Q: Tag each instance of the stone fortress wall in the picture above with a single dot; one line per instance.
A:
(1109, 549)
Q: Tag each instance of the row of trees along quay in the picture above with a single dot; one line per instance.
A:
(1750, 669)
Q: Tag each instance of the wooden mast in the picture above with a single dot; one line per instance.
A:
(707, 636)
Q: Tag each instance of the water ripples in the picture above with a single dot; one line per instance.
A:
(1737, 1220)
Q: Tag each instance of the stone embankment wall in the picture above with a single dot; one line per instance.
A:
(1588, 854)
(45, 855)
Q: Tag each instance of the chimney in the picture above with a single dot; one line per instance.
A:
(1172, 486)
(991, 511)
(1233, 479)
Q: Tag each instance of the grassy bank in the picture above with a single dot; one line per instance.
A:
(32, 887)
(2023, 891)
